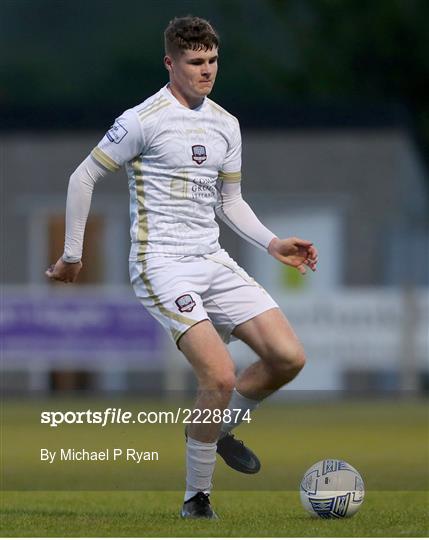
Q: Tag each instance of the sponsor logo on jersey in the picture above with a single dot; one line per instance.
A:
(203, 188)
(185, 303)
(116, 133)
(199, 154)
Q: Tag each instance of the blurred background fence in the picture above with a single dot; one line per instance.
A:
(334, 106)
(357, 340)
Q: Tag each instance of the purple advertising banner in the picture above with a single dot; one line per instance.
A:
(85, 326)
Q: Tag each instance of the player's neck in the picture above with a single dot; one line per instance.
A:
(186, 101)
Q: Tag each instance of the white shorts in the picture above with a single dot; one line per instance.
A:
(182, 291)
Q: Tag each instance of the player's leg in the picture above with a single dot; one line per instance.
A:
(170, 290)
(233, 298)
(281, 358)
(214, 370)
(281, 354)
(239, 305)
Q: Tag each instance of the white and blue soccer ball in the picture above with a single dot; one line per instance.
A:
(332, 488)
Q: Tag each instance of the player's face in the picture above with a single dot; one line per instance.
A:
(193, 73)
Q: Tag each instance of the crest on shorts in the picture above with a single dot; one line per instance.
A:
(199, 154)
(185, 303)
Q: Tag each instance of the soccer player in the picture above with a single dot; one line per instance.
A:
(182, 154)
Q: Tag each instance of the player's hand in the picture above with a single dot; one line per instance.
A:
(64, 271)
(294, 252)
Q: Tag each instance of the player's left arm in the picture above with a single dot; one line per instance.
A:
(294, 252)
(238, 215)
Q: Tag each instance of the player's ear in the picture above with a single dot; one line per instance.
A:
(168, 63)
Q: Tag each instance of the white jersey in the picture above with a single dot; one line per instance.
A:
(174, 157)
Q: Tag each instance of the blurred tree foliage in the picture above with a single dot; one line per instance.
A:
(58, 53)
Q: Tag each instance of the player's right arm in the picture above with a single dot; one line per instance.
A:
(79, 195)
(121, 143)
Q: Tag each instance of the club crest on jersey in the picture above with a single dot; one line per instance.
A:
(199, 154)
(185, 303)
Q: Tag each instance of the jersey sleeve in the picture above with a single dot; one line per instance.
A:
(122, 142)
(231, 167)
(237, 214)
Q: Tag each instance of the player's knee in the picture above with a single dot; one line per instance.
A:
(224, 382)
(284, 360)
(298, 359)
(295, 359)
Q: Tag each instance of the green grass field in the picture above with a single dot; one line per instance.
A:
(386, 441)
(242, 514)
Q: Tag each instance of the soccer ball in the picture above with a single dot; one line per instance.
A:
(332, 489)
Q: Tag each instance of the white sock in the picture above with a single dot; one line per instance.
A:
(237, 402)
(200, 464)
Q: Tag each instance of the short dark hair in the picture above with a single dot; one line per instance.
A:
(189, 32)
